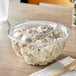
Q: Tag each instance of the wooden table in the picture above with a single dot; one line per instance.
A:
(10, 64)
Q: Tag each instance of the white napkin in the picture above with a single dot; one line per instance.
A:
(58, 65)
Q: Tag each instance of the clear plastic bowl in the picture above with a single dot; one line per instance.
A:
(47, 52)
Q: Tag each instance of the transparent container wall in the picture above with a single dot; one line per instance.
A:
(4, 5)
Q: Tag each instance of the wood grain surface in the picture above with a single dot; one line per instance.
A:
(10, 64)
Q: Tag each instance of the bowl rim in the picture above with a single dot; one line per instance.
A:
(49, 22)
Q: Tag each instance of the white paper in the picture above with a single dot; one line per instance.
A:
(58, 65)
